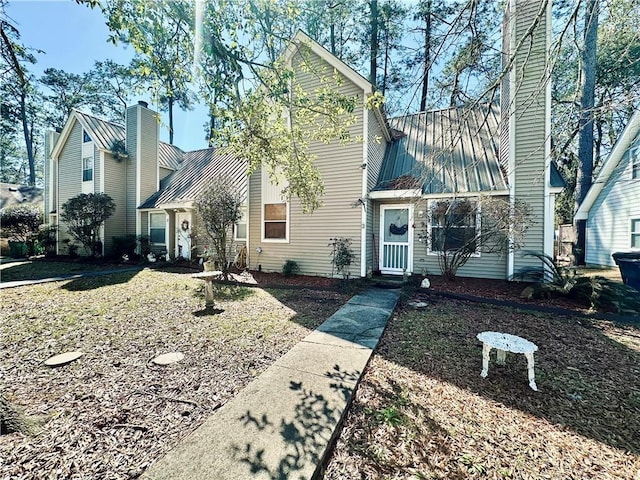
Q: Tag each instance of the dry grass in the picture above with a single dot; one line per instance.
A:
(113, 412)
(422, 410)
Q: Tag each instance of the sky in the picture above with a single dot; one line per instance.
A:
(73, 37)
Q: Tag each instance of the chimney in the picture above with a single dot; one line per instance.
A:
(525, 142)
(142, 175)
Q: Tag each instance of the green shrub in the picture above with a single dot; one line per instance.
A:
(47, 238)
(598, 293)
(341, 255)
(20, 223)
(124, 245)
(290, 268)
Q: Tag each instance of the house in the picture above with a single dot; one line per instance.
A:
(371, 194)
(153, 184)
(612, 204)
(456, 153)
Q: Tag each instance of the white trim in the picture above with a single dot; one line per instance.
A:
(248, 222)
(549, 199)
(287, 223)
(511, 255)
(610, 164)
(410, 234)
(166, 227)
(102, 175)
(172, 206)
(633, 232)
(366, 202)
(396, 194)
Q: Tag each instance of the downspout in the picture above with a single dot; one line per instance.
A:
(511, 257)
(364, 200)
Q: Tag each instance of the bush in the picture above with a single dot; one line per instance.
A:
(290, 268)
(47, 238)
(124, 245)
(20, 223)
(598, 292)
(84, 214)
(342, 255)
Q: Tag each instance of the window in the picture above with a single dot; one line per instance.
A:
(275, 221)
(157, 228)
(87, 169)
(85, 137)
(453, 224)
(240, 230)
(635, 162)
(635, 233)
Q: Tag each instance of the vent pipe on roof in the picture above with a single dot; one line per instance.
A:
(143, 103)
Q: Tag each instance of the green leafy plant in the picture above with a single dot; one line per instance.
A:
(84, 214)
(598, 292)
(124, 245)
(118, 150)
(290, 268)
(341, 255)
(21, 223)
(391, 416)
(47, 238)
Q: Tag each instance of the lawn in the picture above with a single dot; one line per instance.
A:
(15, 270)
(422, 410)
(113, 412)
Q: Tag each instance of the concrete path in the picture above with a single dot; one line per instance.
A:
(97, 273)
(280, 425)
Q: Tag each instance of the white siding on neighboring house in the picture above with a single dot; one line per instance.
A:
(340, 216)
(609, 223)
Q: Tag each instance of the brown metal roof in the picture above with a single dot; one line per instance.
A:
(196, 171)
(454, 150)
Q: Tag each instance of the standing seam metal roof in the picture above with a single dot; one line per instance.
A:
(194, 175)
(454, 150)
(103, 133)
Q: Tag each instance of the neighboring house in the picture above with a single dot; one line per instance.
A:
(612, 204)
(378, 191)
(153, 184)
(12, 194)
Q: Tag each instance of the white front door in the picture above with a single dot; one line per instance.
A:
(183, 235)
(396, 234)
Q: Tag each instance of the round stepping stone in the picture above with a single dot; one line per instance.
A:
(168, 358)
(418, 304)
(63, 359)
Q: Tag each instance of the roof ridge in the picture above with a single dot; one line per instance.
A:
(119, 125)
(443, 109)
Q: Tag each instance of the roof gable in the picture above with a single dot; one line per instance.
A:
(625, 141)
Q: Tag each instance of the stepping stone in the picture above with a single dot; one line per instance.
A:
(168, 358)
(63, 359)
(418, 304)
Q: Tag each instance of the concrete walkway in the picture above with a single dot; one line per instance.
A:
(280, 425)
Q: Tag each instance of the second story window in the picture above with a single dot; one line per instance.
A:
(635, 162)
(87, 169)
(85, 137)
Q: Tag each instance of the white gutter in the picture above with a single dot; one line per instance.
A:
(365, 202)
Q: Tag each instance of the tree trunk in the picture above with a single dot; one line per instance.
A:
(427, 56)
(332, 37)
(373, 42)
(27, 138)
(170, 104)
(587, 101)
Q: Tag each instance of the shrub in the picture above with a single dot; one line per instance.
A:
(598, 292)
(124, 245)
(290, 268)
(341, 255)
(84, 214)
(21, 223)
(47, 238)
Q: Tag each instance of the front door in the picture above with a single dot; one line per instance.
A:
(183, 235)
(396, 234)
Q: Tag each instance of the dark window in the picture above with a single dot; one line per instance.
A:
(87, 169)
(85, 137)
(157, 224)
(453, 225)
(275, 221)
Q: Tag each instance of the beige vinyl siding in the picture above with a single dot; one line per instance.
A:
(69, 178)
(484, 266)
(529, 130)
(609, 223)
(164, 172)
(375, 154)
(341, 168)
(131, 165)
(148, 154)
(115, 187)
